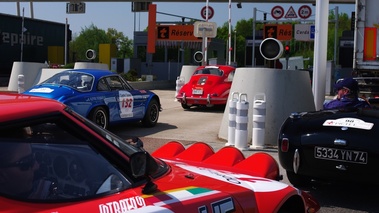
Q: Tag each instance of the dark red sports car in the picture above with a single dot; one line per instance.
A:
(208, 86)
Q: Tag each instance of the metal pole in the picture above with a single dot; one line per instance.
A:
(65, 42)
(22, 34)
(18, 8)
(31, 10)
(235, 45)
(320, 48)
(335, 35)
(253, 47)
(205, 39)
(229, 35)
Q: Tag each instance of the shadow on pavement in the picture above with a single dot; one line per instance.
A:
(356, 197)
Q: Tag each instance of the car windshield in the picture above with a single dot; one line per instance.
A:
(209, 71)
(80, 81)
(49, 161)
(128, 147)
(51, 158)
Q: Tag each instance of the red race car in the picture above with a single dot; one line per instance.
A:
(208, 86)
(54, 160)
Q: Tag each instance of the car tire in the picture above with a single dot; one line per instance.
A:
(298, 180)
(99, 116)
(185, 106)
(152, 114)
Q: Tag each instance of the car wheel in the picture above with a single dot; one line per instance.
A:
(99, 115)
(185, 106)
(298, 180)
(152, 114)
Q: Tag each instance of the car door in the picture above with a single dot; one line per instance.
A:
(123, 102)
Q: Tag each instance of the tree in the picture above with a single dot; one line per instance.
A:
(90, 38)
(243, 29)
(123, 43)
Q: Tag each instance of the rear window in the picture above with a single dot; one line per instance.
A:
(209, 71)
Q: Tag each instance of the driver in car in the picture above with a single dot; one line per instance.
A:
(347, 96)
(17, 168)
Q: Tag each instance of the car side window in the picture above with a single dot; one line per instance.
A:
(114, 83)
(46, 162)
(102, 85)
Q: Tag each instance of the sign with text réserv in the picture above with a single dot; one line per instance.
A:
(176, 33)
(304, 32)
(282, 32)
(77, 7)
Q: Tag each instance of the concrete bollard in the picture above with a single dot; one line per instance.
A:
(232, 119)
(242, 120)
(179, 84)
(259, 120)
(21, 83)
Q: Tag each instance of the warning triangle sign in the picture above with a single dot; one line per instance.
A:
(290, 13)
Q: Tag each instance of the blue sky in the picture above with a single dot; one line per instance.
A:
(118, 15)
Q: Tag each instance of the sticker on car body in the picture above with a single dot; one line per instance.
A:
(258, 184)
(126, 102)
(42, 90)
(124, 205)
(349, 122)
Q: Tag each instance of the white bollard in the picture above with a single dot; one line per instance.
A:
(259, 120)
(21, 83)
(242, 120)
(179, 84)
(232, 119)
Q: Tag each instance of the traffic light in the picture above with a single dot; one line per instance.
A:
(287, 50)
(271, 49)
(198, 56)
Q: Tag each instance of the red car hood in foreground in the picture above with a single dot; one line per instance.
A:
(251, 181)
(199, 181)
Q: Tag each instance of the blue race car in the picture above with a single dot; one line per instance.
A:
(102, 96)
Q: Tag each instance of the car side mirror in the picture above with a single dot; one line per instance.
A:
(143, 164)
(138, 164)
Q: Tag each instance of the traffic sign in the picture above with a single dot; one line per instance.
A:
(277, 12)
(207, 29)
(312, 35)
(303, 32)
(291, 13)
(203, 12)
(305, 12)
(282, 32)
(77, 7)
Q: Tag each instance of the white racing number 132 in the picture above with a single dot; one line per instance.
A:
(126, 102)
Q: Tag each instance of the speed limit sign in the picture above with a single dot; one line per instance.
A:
(305, 12)
(203, 12)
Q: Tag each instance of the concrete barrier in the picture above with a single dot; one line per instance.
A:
(187, 71)
(286, 91)
(90, 65)
(35, 73)
(29, 69)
